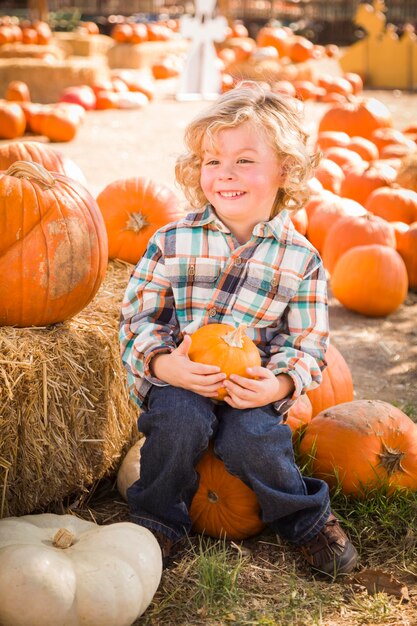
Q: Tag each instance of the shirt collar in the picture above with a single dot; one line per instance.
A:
(280, 227)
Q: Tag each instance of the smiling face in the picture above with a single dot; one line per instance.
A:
(240, 177)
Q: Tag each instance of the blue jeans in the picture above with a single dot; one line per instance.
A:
(254, 445)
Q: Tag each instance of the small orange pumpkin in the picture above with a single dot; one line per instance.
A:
(12, 120)
(53, 246)
(362, 444)
(17, 91)
(133, 209)
(229, 348)
(223, 505)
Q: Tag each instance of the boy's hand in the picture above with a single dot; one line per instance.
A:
(248, 393)
(178, 370)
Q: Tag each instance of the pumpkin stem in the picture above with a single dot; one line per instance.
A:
(63, 538)
(390, 459)
(234, 338)
(35, 171)
(213, 497)
(136, 222)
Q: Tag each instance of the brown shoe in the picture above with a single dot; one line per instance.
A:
(168, 547)
(330, 551)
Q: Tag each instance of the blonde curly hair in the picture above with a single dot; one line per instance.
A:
(280, 118)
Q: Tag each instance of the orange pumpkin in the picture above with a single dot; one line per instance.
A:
(223, 505)
(12, 120)
(53, 246)
(58, 124)
(332, 138)
(364, 147)
(330, 174)
(371, 280)
(229, 348)
(336, 385)
(344, 157)
(300, 49)
(18, 91)
(361, 445)
(361, 179)
(394, 204)
(355, 231)
(360, 116)
(133, 209)
(328, 212)
(51, 159)
(278, 37)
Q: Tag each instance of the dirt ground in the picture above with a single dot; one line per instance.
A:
(382, 353)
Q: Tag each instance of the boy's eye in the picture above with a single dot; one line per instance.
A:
(211, 162)
(245, 161)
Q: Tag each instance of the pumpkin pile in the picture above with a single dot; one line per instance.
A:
(286, 61)
(60, 121)
(362, 213)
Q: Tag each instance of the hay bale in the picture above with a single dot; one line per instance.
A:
(27, 51)
(65, 416)
(82, 44)
(142, 55)
(48, 79)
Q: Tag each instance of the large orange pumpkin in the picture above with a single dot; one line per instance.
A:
(360, 116)
(223, 505)
(371, 280)
(336, 385)
(355, 231)
(133, 209)
(229, 348)
(363, 444)
(51, 159)
(53, 246)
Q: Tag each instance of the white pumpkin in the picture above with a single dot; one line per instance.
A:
(59, 570)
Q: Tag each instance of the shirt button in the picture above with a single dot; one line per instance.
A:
(212, 312)
(238, 261)
(274, 282)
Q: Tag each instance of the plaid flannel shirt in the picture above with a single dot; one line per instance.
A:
(195, 272)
